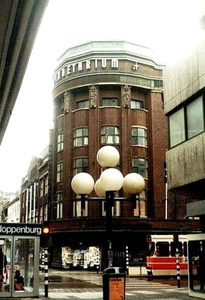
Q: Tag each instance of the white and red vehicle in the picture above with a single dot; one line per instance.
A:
(162, 259)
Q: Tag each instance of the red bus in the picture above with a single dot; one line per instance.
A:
(162, 259)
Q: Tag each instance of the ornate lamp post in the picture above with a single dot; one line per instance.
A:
(111, 180)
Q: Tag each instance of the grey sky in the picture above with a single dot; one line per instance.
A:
(169, 28)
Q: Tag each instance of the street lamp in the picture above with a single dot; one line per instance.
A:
(111, 180)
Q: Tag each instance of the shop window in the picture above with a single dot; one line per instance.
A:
(110, 135)
(80, 137)
(139, 136)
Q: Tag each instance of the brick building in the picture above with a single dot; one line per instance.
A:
(107, 93)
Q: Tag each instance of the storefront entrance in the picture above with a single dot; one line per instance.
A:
(19, 260)
(196, 256)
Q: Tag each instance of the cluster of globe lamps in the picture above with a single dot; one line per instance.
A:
(111, 180)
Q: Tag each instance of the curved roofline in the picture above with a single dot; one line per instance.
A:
(107, 46)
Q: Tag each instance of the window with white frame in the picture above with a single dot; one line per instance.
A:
(80, 137)
(46, 184)
(46, 212)
(41, 214)
(78, 210)
(82, 104)
(80, 165)
(59, 172)
(139, 136)
(110, 135)
(136, 104)
(60, 142)
(41, 187)
(59, 206)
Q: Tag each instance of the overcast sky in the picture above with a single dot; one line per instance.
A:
(169, 27)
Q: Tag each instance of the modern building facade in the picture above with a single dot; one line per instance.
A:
(184, 97)
(184, 84)
(109, 93)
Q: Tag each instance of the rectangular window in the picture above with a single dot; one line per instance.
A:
(80, 165)
(139, 136)
(46, 212)
(60, 172)
(109, 102)
(80, 137)
(177, 127)
(78, 210)
(174, 246)
(141, 205)
(195, 117)
(110, 135)
(46, 184)
(41, 214)
(60, 142)
(41, 188)
(59, 203)
(136, 104)
(140, 166)
(82, 104)
(162, 248)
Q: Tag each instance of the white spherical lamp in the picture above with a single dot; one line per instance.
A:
(111, 179)
(108, 156)
(133, 184)
(82, 183)
(99, 189)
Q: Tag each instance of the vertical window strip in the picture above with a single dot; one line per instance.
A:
(60, 142)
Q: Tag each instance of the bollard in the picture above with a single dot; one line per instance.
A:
(127, 260)
(149, 273)
(178, 267)
(42, 260)
(46, 271)
(98, 261)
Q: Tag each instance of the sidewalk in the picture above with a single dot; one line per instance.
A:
(81, 285)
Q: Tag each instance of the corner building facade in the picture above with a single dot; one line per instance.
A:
(107, 93)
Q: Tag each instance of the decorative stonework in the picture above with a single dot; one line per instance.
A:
(66, 100)
(93, 95)
(126, 95)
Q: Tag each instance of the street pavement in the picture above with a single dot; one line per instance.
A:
(83, 285)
